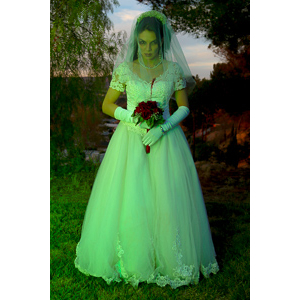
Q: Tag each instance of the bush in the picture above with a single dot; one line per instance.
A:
(69, 162)
(232, 154)
(236, 152)
(67, 96)
(204, 150)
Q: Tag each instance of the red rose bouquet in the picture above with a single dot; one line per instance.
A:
(151, 114)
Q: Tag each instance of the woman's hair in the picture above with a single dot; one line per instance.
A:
(151, 24)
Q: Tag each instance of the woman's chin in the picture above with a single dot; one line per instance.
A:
(152, 57)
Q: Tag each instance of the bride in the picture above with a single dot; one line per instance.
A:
(146, 219)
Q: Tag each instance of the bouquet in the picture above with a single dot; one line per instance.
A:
(150, 113)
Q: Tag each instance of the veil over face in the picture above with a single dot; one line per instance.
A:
(152, 47)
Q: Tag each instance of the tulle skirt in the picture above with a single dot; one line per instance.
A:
(146, 219)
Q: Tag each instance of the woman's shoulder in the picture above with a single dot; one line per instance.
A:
(122, 68)
(122, 65)
(173, 66)
(176, 68)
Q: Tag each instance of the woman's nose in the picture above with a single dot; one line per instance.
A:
(149, 47)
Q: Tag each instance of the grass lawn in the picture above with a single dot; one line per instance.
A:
(228, 206)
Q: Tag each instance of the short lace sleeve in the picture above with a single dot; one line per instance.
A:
(179, 80)
(118, 78)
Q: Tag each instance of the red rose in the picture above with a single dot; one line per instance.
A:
(143, 105)
(138, 110)
(152, 104)
(146, 114)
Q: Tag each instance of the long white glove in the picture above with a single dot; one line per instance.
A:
(154, 134)
(124, 115)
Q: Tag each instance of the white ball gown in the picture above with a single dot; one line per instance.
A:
(146, 219)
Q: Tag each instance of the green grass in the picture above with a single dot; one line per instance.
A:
(229, 216)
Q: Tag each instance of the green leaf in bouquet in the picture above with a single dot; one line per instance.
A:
(139, 120)
(161, 121)
(151, 122)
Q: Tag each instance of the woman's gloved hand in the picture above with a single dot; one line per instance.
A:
(152, 136)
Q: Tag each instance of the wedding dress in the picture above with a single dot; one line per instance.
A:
(146, 219)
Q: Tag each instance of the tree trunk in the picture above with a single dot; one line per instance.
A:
(194, 135)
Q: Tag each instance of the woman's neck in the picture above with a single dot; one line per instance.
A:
(150, 63)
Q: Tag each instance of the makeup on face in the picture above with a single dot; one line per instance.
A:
(148, 44)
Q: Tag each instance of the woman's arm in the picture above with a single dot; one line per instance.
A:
(109, 106)
(182, 98)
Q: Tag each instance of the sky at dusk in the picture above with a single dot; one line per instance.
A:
(199, 57)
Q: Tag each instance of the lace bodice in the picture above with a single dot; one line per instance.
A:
(139, 90)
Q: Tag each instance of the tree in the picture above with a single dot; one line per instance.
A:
(80, 41)
(226, 23)
(81, 45)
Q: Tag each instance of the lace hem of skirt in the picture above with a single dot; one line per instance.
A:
(160, 280)
(211, 268)
(183, 274)
(134, 280)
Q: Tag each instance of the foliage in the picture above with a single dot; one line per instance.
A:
(204, 151)
(232, 152)
(231, 69)
(229, 93)
(81, 44)
(80, 41)
(66, 96)
(62, 163)
(237, 64)
(225, 23)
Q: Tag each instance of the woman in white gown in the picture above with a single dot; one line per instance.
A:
(146, 219)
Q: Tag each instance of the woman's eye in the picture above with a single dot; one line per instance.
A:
(142, 42)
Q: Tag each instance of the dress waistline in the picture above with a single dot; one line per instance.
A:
(135, 128)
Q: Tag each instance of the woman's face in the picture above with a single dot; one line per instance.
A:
(148, 44)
